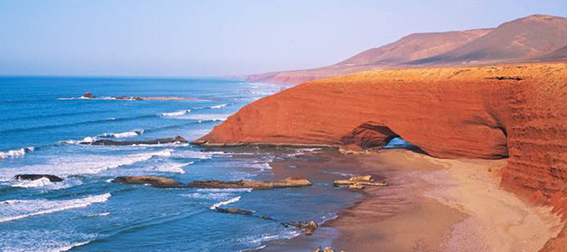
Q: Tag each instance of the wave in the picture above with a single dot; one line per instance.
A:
(219, 106)
(16, 153)
(123, 134)
(42, 240)
(177, 113)
(200, 154)
(81, 165)
(44, 183)
(171, 167)
(55, 126)
(204, 117)
(262, 166)
(19, 209)
(222, 203)
(225, 190)
(259, 239)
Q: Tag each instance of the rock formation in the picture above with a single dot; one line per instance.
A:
(154, 181)
(474, 112)
(108, 142)
(288, 182)
(162, 182)
(52, 178)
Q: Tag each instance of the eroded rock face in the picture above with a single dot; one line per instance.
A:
(515, 111)
(154, 181)
(52, 178)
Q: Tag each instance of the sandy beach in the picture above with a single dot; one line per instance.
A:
(430, 205)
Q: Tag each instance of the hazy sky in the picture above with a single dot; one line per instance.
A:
(203, 38)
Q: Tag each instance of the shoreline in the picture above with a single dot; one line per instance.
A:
(431, 205)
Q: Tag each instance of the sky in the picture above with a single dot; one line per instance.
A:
(224, 38)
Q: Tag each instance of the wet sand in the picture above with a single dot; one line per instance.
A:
(430, 205)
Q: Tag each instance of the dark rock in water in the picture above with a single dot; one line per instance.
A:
(51, 178)
(176, 139)
(154, 181)
(234, 211)
(288, 182)
(308, 228)
(88, 95)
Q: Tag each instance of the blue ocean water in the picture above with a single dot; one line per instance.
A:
(42, 120)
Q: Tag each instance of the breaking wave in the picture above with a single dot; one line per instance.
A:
(176, 113)
(16, 153)
(11, 210)
(222, 203)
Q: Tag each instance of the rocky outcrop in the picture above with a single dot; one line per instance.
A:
(234, 211)
(108, 142)
(88, 95)
(52, 178)
(359, 182)
(307, 227)
(162, 182)
(154, 181)
(288, 182)
(446, 112)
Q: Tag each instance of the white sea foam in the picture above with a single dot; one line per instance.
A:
(218, 106)
(23, 240)
(256, 240)
(200, 154)
(215, 196)
(205, 117)
(225, 190)
(44, 183)
(99, 215)
(11, 210)
(16, 153)
(170, 167)
(223, 203)
(124, 134)
(176, 113)
(87, 164)
(262, 166)
(84, 140)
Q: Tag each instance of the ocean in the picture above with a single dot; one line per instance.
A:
(43, 120)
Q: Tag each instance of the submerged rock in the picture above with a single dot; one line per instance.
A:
(154, 181)
(288, 182)
(234, 211)
(176, 139)
(52, 178)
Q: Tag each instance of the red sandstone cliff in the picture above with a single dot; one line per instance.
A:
(515, 111)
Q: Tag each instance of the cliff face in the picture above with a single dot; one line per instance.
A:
(515, 111)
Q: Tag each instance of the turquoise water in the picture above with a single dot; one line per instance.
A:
(43, 119)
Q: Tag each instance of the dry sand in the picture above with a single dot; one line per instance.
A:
(441, 205)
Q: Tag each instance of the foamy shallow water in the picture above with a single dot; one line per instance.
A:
(44, 123)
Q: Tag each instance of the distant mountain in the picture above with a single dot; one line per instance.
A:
(528, 39)
(415, 46)
(523, 38)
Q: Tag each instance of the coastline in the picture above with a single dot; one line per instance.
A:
(431, 205)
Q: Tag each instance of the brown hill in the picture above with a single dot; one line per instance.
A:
(415, 46)
(523, 38)
(533, 38)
